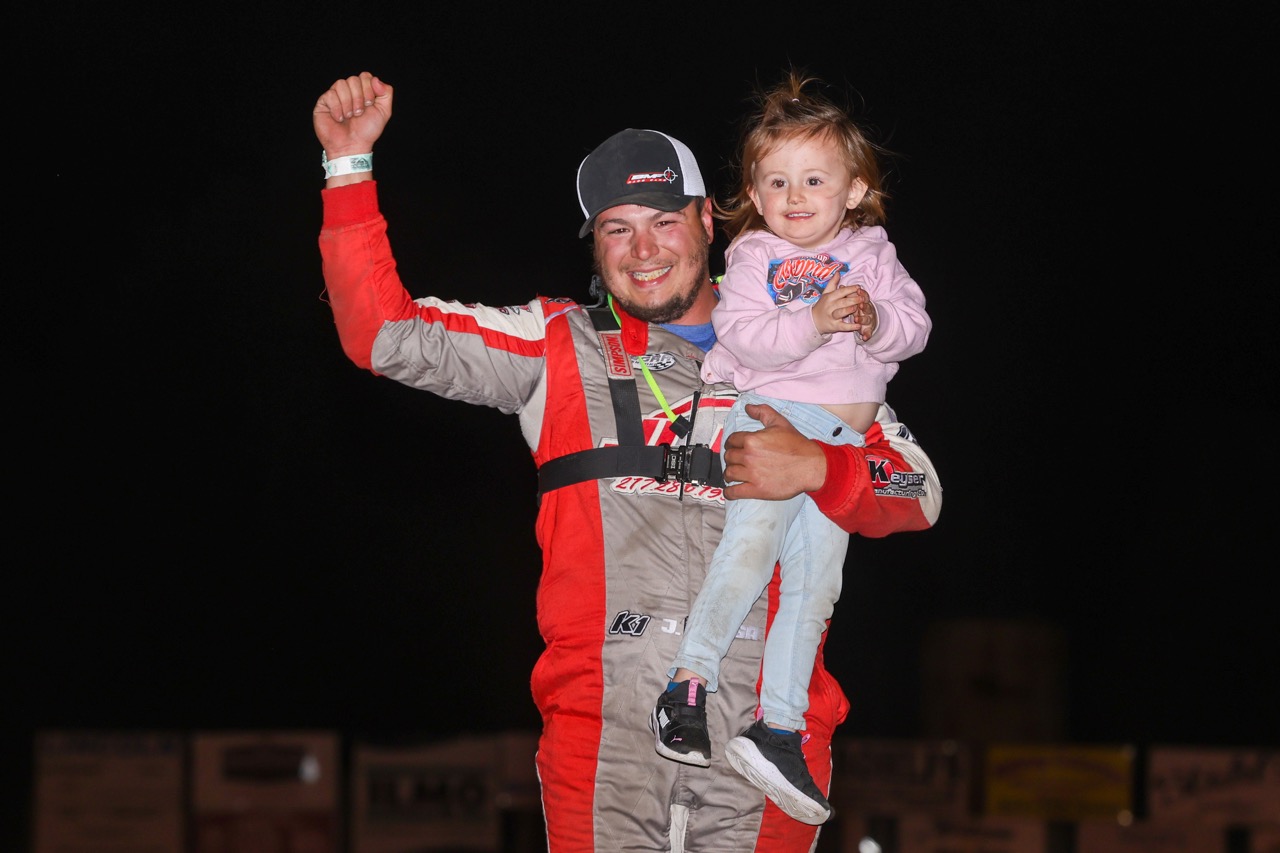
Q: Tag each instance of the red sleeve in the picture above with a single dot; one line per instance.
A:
(351, 204)
(887, 486)
(361, 282)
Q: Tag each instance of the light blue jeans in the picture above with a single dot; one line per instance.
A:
(758, 535)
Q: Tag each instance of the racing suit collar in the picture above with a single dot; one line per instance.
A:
(635, 333)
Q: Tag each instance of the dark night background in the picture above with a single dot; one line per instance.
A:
(219, 522)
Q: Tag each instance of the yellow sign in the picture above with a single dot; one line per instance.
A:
(1059, 782)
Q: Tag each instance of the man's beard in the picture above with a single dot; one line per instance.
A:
(678, 305)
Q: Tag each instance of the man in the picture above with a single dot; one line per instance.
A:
(624, 434)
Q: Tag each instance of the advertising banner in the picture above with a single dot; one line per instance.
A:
(266, 792)
(1058, 782)
(923, 834)
(108, 792)
(1108, 836)
(1219, 786)
(889, 777)
(448, 795)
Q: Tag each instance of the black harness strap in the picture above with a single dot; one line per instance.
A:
(690, 464)
(626, 399)
(631, 457)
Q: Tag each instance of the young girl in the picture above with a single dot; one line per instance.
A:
(815, 313)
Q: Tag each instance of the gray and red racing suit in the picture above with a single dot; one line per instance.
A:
(623, 556)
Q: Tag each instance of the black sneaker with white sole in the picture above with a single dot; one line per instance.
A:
(774, 763)
(679, 724)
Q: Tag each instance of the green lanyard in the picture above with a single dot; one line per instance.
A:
(680, 425)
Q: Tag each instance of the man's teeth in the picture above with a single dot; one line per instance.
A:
(650, 276)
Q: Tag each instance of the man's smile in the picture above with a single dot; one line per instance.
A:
(644, 277)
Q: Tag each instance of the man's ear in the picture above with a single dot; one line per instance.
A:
(857, 192)
(708, 221)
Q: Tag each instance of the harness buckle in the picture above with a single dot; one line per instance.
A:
(690, 463)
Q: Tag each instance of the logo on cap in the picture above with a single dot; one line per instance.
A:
(667, 176)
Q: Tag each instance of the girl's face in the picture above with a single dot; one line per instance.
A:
(802, 189)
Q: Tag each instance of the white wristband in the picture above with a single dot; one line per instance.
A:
(346, 165)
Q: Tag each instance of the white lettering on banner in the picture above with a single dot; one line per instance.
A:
(396, 793)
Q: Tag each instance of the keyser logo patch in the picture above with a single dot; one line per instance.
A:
(890, 482)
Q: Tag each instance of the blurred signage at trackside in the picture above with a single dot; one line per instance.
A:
(109, 792)
(925, 834)
(1223, 787)
(893, 776)
(306, 791)
(446, 795)
(1062, 783)
(266, 790)
(1109, 836)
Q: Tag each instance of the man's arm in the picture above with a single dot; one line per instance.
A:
(774, 463)
(462, 351)
(886, 487)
